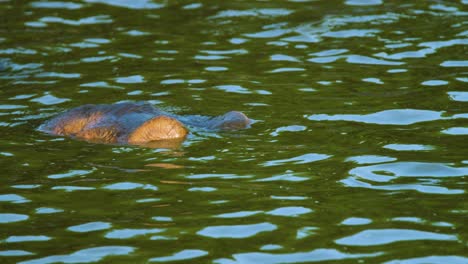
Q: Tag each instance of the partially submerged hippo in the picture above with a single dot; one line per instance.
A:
(134, 123)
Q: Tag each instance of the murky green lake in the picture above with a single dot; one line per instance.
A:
(358, 153)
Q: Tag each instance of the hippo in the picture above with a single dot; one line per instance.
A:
(135, 123)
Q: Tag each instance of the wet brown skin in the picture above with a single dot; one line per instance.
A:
(135, 123)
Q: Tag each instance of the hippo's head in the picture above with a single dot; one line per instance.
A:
(232, 120)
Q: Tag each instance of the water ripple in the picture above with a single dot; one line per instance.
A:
(18, 50)
(370, 159)
(131, 233)
(292, 128)
(148, 200)
(360, 59)
(182, 255)
(83, 21)
(48, 210)
(136, 33)
(90, 227)
(58, 75)
(101, 84)
(291, 211)
(373, 80)
(431, 259)
(217, 176)
(15, 253)
(294, 198)
(129, 186)
(389, 171)
(236, 231)
(130, 79)
(373, 237)
(270, 247)
(386, 117)
(287, 69)
(233, 89)
(134, 4)
(11, 107)
(162, 218)
(11, 218)
(192, 6)
(288, 176)
(330, 52)
(456, 131)
(70, 173)
(216, 68)
(13, 198)
(409, 147)
(423, 188)
(98, 59)
(434, 83)
(273, 33)
(459, 96)
(84, 256)
(26, 186)
(281, 57)
(261, 12)
(454, 63)
(299, 257)
(356, 59)
(17, 239)
(238, 214)
(73, 188)
(363, 2)
(302, 159)
(49, 99)
(352, 221)
(351, 33)
(202, 189)
(210, 57)
(225, 52)
(56, 5)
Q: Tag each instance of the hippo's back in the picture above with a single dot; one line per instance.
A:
(110, 123)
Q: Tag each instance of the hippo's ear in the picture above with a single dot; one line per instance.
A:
(158, 128)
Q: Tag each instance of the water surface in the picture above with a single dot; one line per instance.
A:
(358, 152)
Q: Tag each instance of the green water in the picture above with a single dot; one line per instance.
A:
(358, 153)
